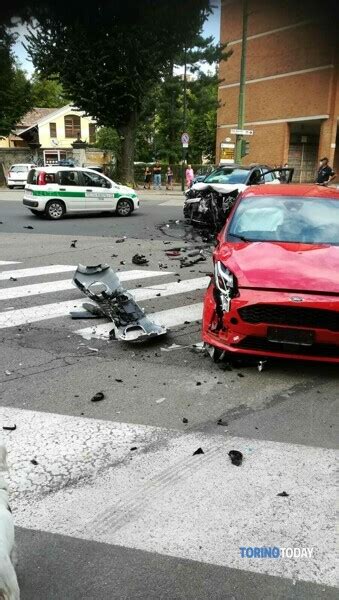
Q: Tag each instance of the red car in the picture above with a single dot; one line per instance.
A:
(275, 289)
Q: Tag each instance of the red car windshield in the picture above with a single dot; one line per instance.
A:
(286, 219)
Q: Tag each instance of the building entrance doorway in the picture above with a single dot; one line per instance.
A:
(303, 150)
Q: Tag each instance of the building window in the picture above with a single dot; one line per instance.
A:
(52, 130)
(92, 133)
(72, 126)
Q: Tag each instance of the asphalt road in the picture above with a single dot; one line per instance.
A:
(116, 506)
(156, 208)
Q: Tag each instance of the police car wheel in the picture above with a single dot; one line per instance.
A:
(124, 207)
(55, 210)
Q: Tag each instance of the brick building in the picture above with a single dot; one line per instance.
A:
(292, 85)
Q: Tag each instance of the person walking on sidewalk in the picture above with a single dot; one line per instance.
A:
(169, 179)
(325, 173)
(147, 180)
(157, 176)
(189, 176)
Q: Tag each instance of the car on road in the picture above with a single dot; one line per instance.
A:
(17, 175)
(56, 191)
(236, 177)
(275, 288)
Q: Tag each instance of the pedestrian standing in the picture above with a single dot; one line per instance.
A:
(169, 179)
(189, 176)
(325, 172)
(157, 176)
(147, 179)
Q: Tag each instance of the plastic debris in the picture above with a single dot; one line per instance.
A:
(8, 372)
(160, 400)
(28, 227)
(13, 279)
(9, 427)
(98, 397)
(198, 451)
(133, 448)
(261, 365)
(103, 286)
(236, 457)
(73, 243)
(139, 259)
(92, 349)
(34, 462)
(221, 421)
(184, 420)
(120, 240)
(283, 494)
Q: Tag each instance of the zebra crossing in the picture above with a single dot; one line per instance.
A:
(140, 486)
(44, 301)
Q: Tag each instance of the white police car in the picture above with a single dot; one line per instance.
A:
(56, 191)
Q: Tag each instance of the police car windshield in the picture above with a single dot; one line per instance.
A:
(227, 175)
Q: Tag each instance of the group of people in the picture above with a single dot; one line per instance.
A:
(156, 175)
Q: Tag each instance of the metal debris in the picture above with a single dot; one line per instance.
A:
(236, 457)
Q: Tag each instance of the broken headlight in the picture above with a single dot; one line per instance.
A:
(226, 284)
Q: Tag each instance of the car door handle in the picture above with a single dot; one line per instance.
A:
(89, 190)
(62, 189)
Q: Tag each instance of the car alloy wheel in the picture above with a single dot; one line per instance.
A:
(55, 210)
(124, 208)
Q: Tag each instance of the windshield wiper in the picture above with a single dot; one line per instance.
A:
(240, 237)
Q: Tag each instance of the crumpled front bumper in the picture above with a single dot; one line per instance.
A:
(227, 330)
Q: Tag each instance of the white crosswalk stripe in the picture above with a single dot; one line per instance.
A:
(161, 501)
(9, 262)
(35, 312)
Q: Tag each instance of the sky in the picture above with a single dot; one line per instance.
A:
(211, 27)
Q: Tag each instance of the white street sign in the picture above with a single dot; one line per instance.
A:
(242, 131)
(185, 138)
(185, 145)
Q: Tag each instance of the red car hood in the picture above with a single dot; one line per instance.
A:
(283, 266)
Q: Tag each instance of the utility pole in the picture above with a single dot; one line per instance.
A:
(241, 106)
(184, 120)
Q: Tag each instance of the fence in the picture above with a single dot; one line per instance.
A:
(139, 171)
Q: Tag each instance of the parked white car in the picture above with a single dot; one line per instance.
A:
(56, 191)
(17, 174)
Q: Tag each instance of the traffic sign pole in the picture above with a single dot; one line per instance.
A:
(241, 108)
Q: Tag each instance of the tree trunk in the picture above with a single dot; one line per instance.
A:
(125, 162)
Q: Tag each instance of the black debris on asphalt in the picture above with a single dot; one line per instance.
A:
(184, 420)
(9, 427)
(139, 259)
(133, 448)
(198, 383)
(13, 279)
(283, 494)
(198, 451)
(114, 255)
(120, 240)
(221, 421)
(98, 397)
(236, 457)
(240, 375)
(28, 227)
(34, 462)
(73, 243)
(119, 380)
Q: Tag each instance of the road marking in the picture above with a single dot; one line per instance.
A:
(9, 262)
(167, 318)
(37, 289)
(43, 312)
(167, 501)
(36, 271)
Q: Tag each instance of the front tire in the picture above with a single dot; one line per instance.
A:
(124, 207)
(55, 210)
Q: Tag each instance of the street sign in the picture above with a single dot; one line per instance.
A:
(242, 131)
(185, 145)
(185, 138)
(226, 153)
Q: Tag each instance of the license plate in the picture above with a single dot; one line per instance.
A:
(282, 335)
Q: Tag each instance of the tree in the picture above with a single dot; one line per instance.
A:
(107, 58)
(107, 139)
(47, 93)
(15, 89)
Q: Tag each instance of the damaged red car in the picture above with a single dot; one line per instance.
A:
(275, 288)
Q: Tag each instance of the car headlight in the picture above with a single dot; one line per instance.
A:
(224, 279)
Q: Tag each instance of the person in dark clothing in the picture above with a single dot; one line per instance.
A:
(147, 180)
(325, 173)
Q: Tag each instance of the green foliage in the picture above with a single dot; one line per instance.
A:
(108, 140)
(15, 89)
(47, 93)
